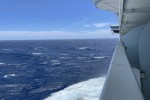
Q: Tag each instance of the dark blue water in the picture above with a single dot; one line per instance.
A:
(32, 70)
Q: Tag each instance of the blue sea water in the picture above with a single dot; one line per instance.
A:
(33, 70)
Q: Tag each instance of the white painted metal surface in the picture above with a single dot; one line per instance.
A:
(121, 83)
(134, 13)
(137, 75)
(109, 5)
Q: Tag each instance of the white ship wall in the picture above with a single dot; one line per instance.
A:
(137, 43)
(121, 84)
(144, 57)
(130, 41)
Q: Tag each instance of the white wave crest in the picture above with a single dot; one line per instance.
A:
(55, 62)
(82, 48)
(87, 90)
(9, 75)
(99, 57)
(2, 63)
(36, 53)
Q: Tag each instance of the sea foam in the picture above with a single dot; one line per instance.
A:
(99, 57)
(9, 75)
(83, 48)
(36, 53)
(55, 62)
(87, 90)
(2, 63)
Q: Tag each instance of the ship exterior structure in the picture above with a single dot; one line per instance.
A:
(128, 77)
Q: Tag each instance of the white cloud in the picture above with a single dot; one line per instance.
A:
(101, 25)
(97, 25)
(34, 35)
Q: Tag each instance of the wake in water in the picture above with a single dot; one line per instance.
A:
(87, 90)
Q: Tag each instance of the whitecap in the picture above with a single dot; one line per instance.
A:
(14, 64)
(2, 63)
(98, 57)
(9, 75)
(87, 90)
(83, 48)
(36, 53)
(54, 61)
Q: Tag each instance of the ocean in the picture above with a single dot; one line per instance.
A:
(54, 69)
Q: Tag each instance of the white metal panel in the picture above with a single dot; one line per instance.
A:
(144, 57)
(121, 83)
(134, 13)
(130, 41)
(137, 4)
(137, 75)
(109, 5)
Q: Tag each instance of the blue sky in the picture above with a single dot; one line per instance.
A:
(53, 19)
